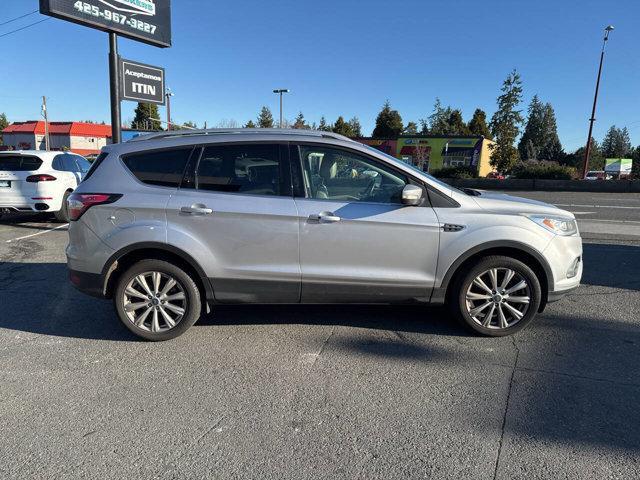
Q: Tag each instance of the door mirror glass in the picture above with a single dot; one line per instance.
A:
(412, 195)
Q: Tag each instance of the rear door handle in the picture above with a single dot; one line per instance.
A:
(324, 217)
(196, 209)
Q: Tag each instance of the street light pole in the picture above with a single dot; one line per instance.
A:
(281, 91)
(587, 152)
(168, 94)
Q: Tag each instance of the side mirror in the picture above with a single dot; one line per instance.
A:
(412, 195)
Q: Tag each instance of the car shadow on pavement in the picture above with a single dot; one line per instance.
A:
(38, 298)
(616, 266)
(63, 311)
(30, 221)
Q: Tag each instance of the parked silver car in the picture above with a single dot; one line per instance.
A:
(171, 224)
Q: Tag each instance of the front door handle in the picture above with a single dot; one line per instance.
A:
(196, 209)
(324, 217)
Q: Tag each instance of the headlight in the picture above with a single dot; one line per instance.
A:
(558, 225)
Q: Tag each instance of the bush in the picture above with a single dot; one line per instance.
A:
(544, 170)
(456, 172)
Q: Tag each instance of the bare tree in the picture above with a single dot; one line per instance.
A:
(421, 154)
(228, 123)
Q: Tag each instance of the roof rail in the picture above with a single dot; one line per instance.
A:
(237, 131)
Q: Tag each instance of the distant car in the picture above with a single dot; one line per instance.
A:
(496, 175)
(39, 181)
(597, 175)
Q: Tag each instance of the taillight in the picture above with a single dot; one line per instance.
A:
(81, 202)
(41, 177)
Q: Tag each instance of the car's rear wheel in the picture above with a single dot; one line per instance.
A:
(157, 300)
(62, 215)
(498, 296)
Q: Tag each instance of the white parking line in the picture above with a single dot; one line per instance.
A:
(583, 213)
(39, 233)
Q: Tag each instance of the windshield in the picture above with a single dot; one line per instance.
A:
(442, 184)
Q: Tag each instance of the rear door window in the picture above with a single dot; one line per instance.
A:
(19, 163)
(164, 167)
(251, 169)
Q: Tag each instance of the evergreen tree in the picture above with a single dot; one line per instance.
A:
(356, 128)
(533, 138)
(388, 123)
(4, 123)
(616, 143)
(424, 127)
(576, 159)
(324, 126)
(144, 115)
(635, 169)
(341, 127)
(300, 122)
(190, 124)
(250, 124)
(439, 119)
(505, 124)
(265, 119)
(552, 148)
(411, 129)
(478, 124)
(456, 125)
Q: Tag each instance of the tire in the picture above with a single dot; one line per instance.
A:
(62, 215)
(504, 312)
(155, 326)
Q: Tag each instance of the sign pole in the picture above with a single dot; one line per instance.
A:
(114, 84)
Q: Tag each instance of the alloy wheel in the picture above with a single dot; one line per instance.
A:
(498, 298)
(154, 301)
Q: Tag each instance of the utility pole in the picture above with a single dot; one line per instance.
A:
(281, 91)
(587, 152)
(169, 94)
(114, 85)
(47, 144)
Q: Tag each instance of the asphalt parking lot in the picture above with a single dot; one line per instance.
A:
(322, 391)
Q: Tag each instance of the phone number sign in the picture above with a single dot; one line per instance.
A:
(147, 21)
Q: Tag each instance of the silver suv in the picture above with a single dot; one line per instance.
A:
(174, 223)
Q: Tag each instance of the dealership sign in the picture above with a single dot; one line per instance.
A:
(141, 83)
(147, 21)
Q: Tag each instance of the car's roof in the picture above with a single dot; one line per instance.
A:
(42, 154)
(241, 133)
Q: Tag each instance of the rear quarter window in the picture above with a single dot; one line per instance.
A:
(164, 168)
(19, 163)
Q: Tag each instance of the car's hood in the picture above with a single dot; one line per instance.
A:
(503, 203)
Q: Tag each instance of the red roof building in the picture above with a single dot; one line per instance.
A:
(79, 137)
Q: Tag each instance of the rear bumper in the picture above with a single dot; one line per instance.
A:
(89, 283)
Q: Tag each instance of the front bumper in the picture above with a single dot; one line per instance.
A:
(564, 256)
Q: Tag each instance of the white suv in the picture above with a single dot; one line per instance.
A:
(39, 181)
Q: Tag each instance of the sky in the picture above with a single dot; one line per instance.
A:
(341, 58)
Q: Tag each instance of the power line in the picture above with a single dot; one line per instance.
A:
(18, 18)
(26, 26)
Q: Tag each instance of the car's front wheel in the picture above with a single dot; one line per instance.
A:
(157, 300)
(498, 296)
